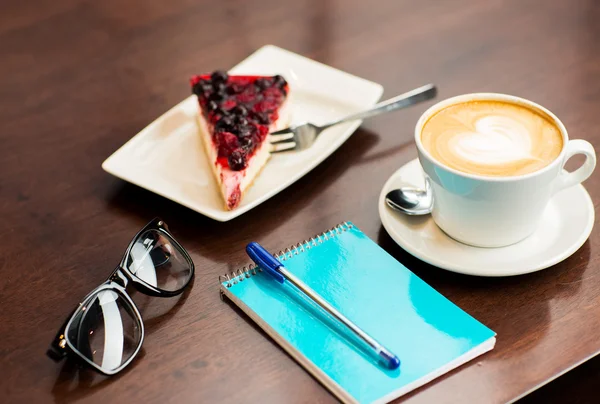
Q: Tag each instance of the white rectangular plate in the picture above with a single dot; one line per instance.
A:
(167, 156)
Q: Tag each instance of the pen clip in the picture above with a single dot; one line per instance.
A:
(265, 260)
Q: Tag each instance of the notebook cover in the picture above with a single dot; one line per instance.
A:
(425, 330)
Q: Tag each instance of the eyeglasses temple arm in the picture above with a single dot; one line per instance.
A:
(55, 351)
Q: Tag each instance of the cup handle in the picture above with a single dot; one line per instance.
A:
(577, 146)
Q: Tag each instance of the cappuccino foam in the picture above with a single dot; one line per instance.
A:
(492, 138)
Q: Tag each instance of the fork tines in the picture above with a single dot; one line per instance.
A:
(282, 140)
(280, 136)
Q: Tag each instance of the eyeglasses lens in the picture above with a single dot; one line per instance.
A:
(157, 260)
(106, 330)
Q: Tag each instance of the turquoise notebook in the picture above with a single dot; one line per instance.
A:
(425, 330)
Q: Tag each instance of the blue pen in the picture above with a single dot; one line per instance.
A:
(273, 267)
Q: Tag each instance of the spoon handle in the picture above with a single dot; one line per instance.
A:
(412, 97)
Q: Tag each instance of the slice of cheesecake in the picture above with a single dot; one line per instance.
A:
(236, 115)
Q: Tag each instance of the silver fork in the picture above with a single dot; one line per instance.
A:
(303, 136)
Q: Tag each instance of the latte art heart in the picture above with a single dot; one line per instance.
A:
(496, 140)
(492, 138)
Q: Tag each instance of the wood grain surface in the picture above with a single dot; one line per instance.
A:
(79, 78)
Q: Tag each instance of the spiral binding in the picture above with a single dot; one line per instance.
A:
(246, 272)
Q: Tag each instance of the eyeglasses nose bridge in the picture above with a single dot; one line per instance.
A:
(119, 277)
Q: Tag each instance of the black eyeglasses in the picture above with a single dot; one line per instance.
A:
(106, 330)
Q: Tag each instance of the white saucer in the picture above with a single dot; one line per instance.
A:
(566, 225)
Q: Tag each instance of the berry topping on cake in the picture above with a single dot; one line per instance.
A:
(239, 105)
(226, 143)
(236, 115)
(219, 76)
(237, 159)
(240, 110)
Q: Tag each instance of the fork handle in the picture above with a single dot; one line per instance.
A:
(412, 97)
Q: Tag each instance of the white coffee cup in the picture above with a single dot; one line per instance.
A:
(489, 211)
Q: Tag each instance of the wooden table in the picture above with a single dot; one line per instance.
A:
(79, 78)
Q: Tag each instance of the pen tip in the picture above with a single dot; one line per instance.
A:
(390, 360)
(394, 363)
